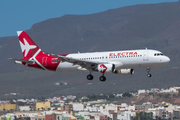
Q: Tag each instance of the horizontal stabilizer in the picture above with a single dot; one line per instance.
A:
(26, 61)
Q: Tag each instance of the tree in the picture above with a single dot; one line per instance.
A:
(166, 95)
(12, 102)
(28, 118)
(127, 94)
(20, 103)
(111, 96)
(174, 95)
(92, 97)
(11, 110)
(160, 95)
(140, 116)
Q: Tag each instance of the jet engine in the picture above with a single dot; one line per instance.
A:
(125, 72)
(106, 68)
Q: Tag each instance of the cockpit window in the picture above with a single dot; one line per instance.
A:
(158, 54)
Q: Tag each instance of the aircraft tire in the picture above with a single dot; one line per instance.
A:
(102, 78)
(149, 75)
(90, 77)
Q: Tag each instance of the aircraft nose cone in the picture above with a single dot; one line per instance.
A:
(166, 60)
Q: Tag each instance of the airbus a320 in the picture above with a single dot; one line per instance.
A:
(117, 62)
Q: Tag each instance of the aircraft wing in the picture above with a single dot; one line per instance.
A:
(26, 61)
(83, 63)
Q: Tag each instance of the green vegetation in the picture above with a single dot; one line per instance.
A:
(102, 96)
(127, 94)
(143, 116)
(166, 95)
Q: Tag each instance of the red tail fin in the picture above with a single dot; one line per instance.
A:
(28, 46)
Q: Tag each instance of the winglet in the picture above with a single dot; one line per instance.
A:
(19, 32)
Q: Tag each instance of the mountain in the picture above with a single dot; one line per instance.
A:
(155, 26)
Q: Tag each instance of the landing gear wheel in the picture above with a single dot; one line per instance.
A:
(90, 77)
(102, 78)
(149, 75)
(148, 72)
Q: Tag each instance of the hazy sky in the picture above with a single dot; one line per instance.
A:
(22, 14)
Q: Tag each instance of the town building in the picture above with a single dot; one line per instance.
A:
(43, 105)
(5, 107)
(24, 108)
(67, 108)
(78, 107)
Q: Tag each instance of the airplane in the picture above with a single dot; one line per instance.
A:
(117, 62)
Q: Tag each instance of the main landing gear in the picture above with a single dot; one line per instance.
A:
(148, 72)
(90, 77)
(102, 78)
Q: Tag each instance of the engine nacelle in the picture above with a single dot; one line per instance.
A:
(106, 68)
(125, 72)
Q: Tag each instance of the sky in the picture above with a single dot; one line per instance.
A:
(18, 15)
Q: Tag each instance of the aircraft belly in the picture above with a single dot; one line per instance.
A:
(137, 64)
(67, 67)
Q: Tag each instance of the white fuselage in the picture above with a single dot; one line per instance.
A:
(144, 58)
(118, 62)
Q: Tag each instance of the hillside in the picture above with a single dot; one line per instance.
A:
(172, 98)
(155, 26)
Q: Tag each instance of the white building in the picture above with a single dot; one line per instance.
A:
(91, 108)
(141, 91)
(24, 108)
(84, 113)
(71, 97)
(125, 106)
(171, 108)
(157, 111)
(78, 107)
(110, 107)
(125, 115)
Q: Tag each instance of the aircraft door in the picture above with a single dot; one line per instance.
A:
(145, 55)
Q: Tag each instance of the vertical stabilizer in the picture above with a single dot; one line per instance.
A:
(28, 46)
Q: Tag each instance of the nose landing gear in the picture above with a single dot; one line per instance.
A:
(148, 72)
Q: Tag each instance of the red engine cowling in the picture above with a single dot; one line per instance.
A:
(106, 68)
(125, 72)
